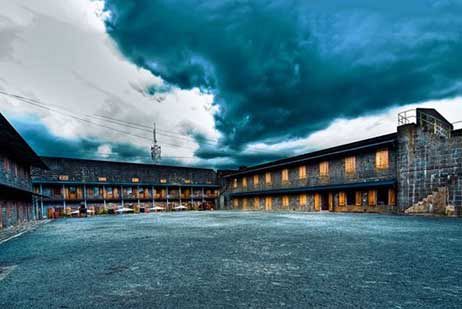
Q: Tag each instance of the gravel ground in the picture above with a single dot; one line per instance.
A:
(228, 259)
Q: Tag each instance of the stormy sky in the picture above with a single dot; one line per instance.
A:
(229, 82)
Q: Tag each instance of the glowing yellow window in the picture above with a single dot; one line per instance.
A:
(235, 203)
(256, 203)
(244, 182)
(381, 159)
(350, 165)
(324, 169)
(342, 199)
(135, 179)
(268, 203)
(63, 177)
(358, 198)
(372, 197)
(302, 172)
(285, 201)
(163, 180)
(235, 183)
(268, 178)
(302, 199)
(244, 203)
(256, 180)
(391, 197)
(285, 175)
(187, 181)
(102, 179)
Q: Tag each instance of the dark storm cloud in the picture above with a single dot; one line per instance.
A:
(282, 69)
(46, 144)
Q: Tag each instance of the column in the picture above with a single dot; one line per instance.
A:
(122, 195)
(85, 195)
(191, 195)
(138, 195)
(202, 194)
(41, 202)
(104, 196)
(179, 191)
(64, 198)
(153, 194)
(167, 197)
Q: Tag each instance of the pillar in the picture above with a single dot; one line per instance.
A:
(122, 195)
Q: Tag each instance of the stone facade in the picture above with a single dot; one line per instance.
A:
(426, 163)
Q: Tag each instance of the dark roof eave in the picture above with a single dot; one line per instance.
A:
(322, 154)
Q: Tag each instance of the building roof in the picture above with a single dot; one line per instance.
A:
(15, 146)
(371, 143)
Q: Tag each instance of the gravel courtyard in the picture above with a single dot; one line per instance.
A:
(224, 259)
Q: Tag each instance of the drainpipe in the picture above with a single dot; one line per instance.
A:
(41, 202)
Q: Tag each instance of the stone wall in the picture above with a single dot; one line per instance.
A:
(425, 163)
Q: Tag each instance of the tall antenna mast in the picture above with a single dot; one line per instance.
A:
(155, 148)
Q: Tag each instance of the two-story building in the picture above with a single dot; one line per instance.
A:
(69, 184)
(389, 173)
(18, 202)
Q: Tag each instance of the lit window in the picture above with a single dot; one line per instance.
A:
(187, 181)
(163, 180)
(381, 159)
(302, 199)
(391, 197)
(324, 169)
(102, 179)
(235, 203)
(256, 202)
(350, 165)
(285, 175)
(244, 182)
(268, 203)
(372, 197)
(63, 177)
(235, 183)
(268, 178)
(341, 199)
(135, 179)
(285, 201)
(244, 203)
(358, 199)
(256, 180)
(302, 172)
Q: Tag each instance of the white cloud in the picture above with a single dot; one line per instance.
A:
(59, 53)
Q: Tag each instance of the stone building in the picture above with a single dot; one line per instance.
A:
(69, 184)
(415, 170)
(17, 199)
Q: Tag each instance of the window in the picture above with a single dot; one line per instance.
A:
(302, 172)
(302, 199)
(359, 199)
(102, 179)
(235, 203)
(350, 198)
(256, 180)
(244, 182)
(256, 203)
(285, 201)
(235, 183)
(268, 203)
(268, 178)
(350, 165)
(285, 175)
(324, 169)
(244, 203)
(187, 181)
(135, 179)
(342, 199)
(391, 197)
(372, 197)
(6, 165)
(381, 159)
(63, 177)
(163, 180)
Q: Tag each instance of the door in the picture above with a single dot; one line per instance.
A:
(325, 201)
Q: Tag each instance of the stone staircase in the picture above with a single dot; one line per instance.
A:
(434, 203)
